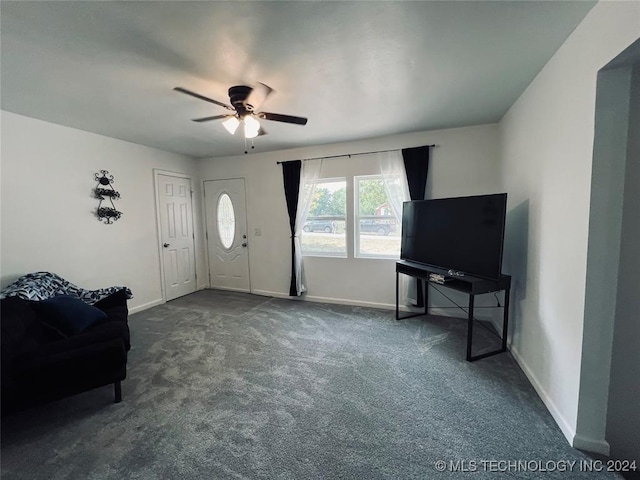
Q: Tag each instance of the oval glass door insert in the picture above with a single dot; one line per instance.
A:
(226, 221)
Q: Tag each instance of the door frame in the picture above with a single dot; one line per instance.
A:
(206, 230)
(169, 173)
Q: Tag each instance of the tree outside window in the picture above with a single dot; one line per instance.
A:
(377, 226)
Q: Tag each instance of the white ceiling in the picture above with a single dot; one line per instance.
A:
(356, 69)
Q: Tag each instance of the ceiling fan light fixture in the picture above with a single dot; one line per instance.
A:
(231, 124)
(251, 127)
(244, 103)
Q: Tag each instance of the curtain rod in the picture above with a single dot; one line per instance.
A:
(354, 154)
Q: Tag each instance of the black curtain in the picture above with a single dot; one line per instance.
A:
(416, 164)
(291, 176)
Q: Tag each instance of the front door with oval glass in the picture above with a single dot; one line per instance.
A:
(227, 241)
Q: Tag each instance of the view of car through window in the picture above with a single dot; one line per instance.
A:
(327, 226)
(376, 218)
(375, 230)
(379, 227)
(324, 231)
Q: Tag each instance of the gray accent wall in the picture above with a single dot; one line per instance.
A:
(623, 421)
(605, 225)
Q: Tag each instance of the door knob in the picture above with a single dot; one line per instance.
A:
(166, 245)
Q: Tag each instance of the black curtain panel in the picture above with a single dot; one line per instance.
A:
(291, 175)
(416, 165)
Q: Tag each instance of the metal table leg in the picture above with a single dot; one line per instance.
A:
(470, 328)
(411, 315)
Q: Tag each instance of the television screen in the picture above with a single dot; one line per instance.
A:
(463, 233)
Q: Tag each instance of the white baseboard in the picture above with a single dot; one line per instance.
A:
(228, 289)
(567, 430)
(335, 301)
(146, 306)
(449, 312)
(452, 312)
(591, 445)
(346, 301)
(267, 293)
(155, 303)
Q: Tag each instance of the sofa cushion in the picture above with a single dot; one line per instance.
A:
(68, 314)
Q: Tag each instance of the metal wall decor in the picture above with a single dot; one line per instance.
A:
(105, 190)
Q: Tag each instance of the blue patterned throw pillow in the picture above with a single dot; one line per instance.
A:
(68, 314)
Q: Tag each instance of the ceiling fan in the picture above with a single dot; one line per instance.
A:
(245, 101)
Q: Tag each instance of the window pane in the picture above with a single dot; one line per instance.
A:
(378, 228)
(324, 231)
(226, 221)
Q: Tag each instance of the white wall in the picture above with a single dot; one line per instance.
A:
(465, 162)
(48, 221)
(547, 151)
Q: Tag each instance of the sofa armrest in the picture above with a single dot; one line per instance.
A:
(43, 378)
(85, 357)
(100, 333)
(115, 306)
(6, 378)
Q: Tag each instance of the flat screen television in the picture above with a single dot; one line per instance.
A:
(465, 234)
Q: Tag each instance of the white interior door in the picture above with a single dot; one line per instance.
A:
(176, 235)
(225, 205)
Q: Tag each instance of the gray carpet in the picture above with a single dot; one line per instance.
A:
(226, 385)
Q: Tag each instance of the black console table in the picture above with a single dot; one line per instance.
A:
(467, 284)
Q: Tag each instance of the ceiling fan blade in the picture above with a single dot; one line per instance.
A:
(257, 97)
(207, 119)
(278, 117)
(202, 97)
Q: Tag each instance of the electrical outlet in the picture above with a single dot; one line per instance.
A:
(257, 232)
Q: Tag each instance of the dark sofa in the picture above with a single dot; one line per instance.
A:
(61, 346)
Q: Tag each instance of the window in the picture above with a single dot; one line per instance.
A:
(324, 232)
(226, 221)
(352, 207)
(378, 221)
